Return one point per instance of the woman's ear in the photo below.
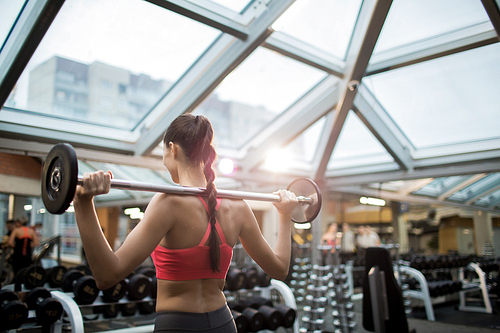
(173, 148)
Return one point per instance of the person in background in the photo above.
(361, 238)
(348, 241)
(331, 238)
(22, 239)
(190, 238)
(10, 225)
(372, 239)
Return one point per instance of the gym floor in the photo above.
(448, 319)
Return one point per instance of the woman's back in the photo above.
(189, 225)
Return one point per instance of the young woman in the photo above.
(190, 238)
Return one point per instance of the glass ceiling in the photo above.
(356, 93)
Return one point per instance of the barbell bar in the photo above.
(60, 178)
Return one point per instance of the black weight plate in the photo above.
(146, 307)
(7, 296)
(48, 311)
(85, 269)
(59, 178)
(69, 279)
(34, 276)
(128, 309)
(55, 276)
(85, 290)
(305, 212)
(139, 286)
(115, 293)
(110, 311)
(13, 315)
(35, 296)
(148, 271)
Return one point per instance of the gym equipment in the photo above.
(128, 309)
(139, 287)
(288, 315)
(83, 286)
(60, 178)
(115, 293)
(48, 309)
(31, 277)
(240, 321)
(235, 279)
(55, 276)
(13, 312)
(383, 307)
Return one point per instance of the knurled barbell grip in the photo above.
(173, 189)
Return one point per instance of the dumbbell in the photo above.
(139, 287)
(255, 319)
(48, 309)
(83, 286)
(150, 272)
(288, 315)
(13, 312)
(108, 311)
(263, 279)
(235, 279)
(272, 317)
(240, 321)
(55, 276)
(30, 277)
(147, 307)
(115, 293)
(128, 309)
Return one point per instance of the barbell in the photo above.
(60, 178)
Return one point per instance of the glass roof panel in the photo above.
(325, 24)
(303, 148)
(357, 146)
(476, 188)
(440, 185)
(412, 21)
(109, 62)
(254, 94)
(492, 199)
(444, 101)
(10, 11)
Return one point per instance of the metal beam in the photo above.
(391, 196)
(305, 53)
(366, 32)
(41, 150)
(440, 46)
(205, 16)
(472, 167)
(33, 23)
(204, 76)
(373, 115)
(493, 11)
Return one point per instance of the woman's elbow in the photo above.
(103, 284)
(280, 275)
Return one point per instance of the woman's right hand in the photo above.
(287, 203)
(94, 183)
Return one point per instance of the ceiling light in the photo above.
(130, 211)
(372, 201)
(226, 166)
(28, 207)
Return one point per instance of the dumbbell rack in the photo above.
(76, 318)
(75, 312)
(474, 286)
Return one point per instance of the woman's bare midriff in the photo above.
(190, 296)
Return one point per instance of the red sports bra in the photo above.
(192, 263)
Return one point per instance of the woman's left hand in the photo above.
(94, 183)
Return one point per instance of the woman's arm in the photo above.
(274, 262)
(108, 267)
